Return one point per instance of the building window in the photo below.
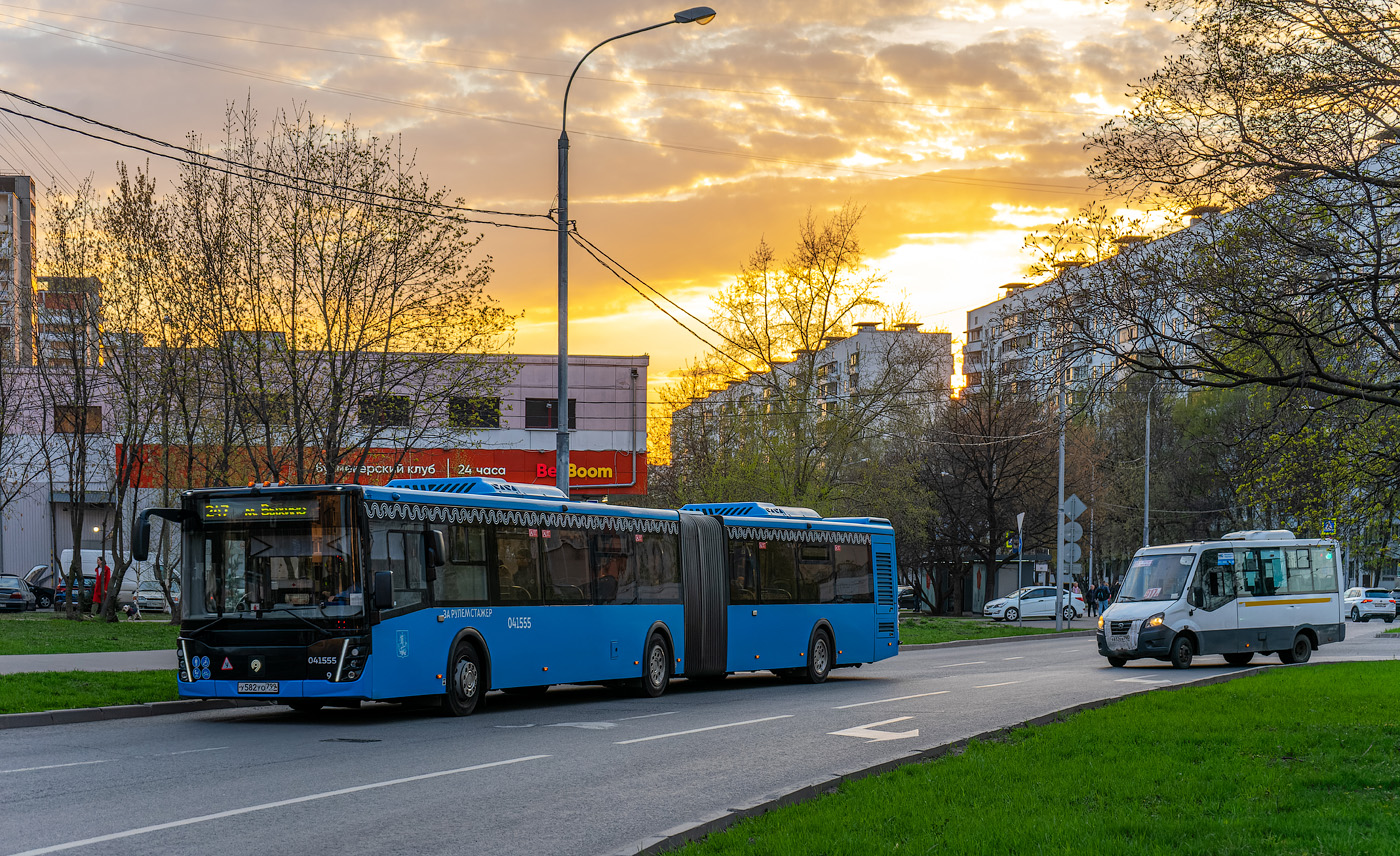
(385, 410)
(539, 413)
(66, 419)
(474, 412)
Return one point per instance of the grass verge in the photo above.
(924, 629)
(49, 633)
(1292, 761)
(35, 691)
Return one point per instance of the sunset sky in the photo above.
(958, 125)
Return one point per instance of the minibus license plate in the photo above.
(258, 687)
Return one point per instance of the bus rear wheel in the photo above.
(464, 680)
(818, 657)
(656, 667)
(1301, 651)
(1240, 659)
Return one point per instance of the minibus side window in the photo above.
(1214, 585)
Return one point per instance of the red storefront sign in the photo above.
(590, 471)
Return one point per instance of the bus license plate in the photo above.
(257, 687)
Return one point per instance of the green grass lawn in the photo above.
(52, 633)
(35, 691)
(924, 629)
(1292, 761)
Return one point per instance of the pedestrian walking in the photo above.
(1101, 595)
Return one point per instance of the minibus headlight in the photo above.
(1156, 620)
(1100, 622)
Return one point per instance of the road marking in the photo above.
(973, 663)
(646, 716)
(52, 766)
(872, 736)
(190, 751)
(698, 730)
(586, 726)
(883, 700)
(264, 806)
(1002, 684)
(1012, 658)
(1143, 680)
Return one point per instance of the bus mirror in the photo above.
(437, 549)
(383, 589)
(141, 530)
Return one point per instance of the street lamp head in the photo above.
(698, 15)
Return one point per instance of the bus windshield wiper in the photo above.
(303, 619)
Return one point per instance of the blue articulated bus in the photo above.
(442, 589)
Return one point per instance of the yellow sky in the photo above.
(957, 125)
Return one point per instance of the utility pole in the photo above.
(1060, 517)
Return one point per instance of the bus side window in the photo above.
(401, 553)
(566, 567)
(658, 570)
(517, 565)
(463, 578)
(743, 572)
(816, 575)
(777, 570)
(854, 583)
(614, 566)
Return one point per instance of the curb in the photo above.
(719, 821)
(962, 643)
(126, 711)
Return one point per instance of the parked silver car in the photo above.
(150, 597)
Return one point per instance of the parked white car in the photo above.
(1363, 604)
(150, 597)
(1034, 602)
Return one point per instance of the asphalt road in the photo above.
(581, 770)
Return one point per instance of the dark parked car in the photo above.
(38, 579)
(60, 595)
(15, 595)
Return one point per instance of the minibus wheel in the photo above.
(1182, 652)
(1240, 659)
(1301, 651)
(1118, 662)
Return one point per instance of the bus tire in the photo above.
(1239, 659)
(1118, 662)
(656, 667)
(1182, 652)
(465, 680)
(818, 657)
(1301, 651)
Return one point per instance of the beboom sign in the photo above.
(588, 470)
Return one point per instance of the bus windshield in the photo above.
(1158, 577)
(299, 557)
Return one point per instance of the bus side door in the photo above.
(1215, 606)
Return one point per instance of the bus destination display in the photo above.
(260, 509)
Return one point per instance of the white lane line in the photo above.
(646, 716)
(192, 751)
(52, 766)
(883, 700)
(263, 807)
(1002, 684)
(1012, 658)
(870, 735)
(973, 663)
(697, 730)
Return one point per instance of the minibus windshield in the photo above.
(1156, 577)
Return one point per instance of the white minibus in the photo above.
(1256, 592)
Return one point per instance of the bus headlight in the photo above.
(1156, 620)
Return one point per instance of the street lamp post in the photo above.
(697, 15)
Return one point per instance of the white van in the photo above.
(88, 564)
(1255, 592)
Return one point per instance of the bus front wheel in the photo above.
(656, 667)
(464, 680)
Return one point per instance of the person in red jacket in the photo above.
(99, 589)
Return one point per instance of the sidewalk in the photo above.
(109, 661)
